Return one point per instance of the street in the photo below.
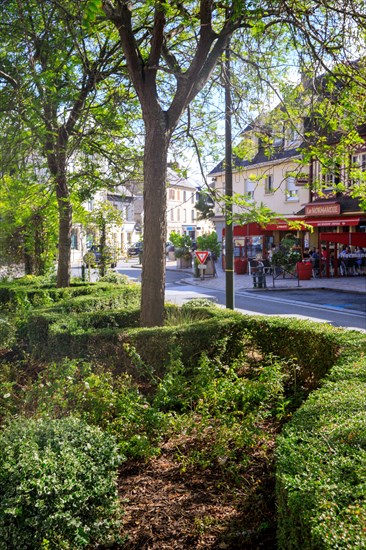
(284, 303)
(343, 309)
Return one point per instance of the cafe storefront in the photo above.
(327, 223)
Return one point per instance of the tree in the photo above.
(51, 74)
(104, 215)
(156, 39)
(28, 225)
(171, 50)
(205, 206)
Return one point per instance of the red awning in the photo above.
(349, 239)
(332, 222)
(253, 229)
(249, 230)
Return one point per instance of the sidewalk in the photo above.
(245, 282)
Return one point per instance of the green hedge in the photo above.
(52, 334)
(321, 460)
(15, 295)
(58, 486)
(99, 335)
(79, 297)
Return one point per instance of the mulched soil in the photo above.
(170, 509)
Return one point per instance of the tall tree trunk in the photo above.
(103, 249)
(153, 264)
(64, 232)
(39, 243)
(28, 264)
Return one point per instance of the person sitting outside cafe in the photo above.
(316, 259)
(348, 262)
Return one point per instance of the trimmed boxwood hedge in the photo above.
(321, 459)
(313, 347)
(321, 453)
(79, 297)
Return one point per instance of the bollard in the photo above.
(259, 279)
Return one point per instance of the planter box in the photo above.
(184, 263)
(240, 266)
(304, 270)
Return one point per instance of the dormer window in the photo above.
(292, 135)
(277, 141)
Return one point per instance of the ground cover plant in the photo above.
(210, 413)
(57, 485)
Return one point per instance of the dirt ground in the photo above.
(170, 509)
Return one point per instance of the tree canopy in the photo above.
(60, 86)
(172, 50)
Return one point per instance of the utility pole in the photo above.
(229, 251)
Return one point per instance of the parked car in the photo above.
(135, 249)
(169, 247)
(96, 251)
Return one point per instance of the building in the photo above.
(119, 237)
(314, 202)
(272, 179)
(182, 196)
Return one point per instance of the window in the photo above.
(184, 196)
(249, 189)
(193, 215)
(171, 194)
(172, 215)
(292, 134)
(90, 205)
(268, 185)
(291, 191)
(277, 141)
(359, 161)
(74, 240)
(129, 212)
(329, 181)
(327, 177)
(358, 165)
(192, 198)
(178, 215)
(184, 215)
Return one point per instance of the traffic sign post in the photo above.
(201, 255)
(202, 268)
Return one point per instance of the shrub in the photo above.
(115, 278)
(7, 334)
(221, 410)
(57, 485)
(99, 397)
(321, 461)
(210, 242)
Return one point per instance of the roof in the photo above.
(260, 158)
(174, 179)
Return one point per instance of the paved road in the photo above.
(344, 309)
(279, 304)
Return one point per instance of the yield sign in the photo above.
(202, 255)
